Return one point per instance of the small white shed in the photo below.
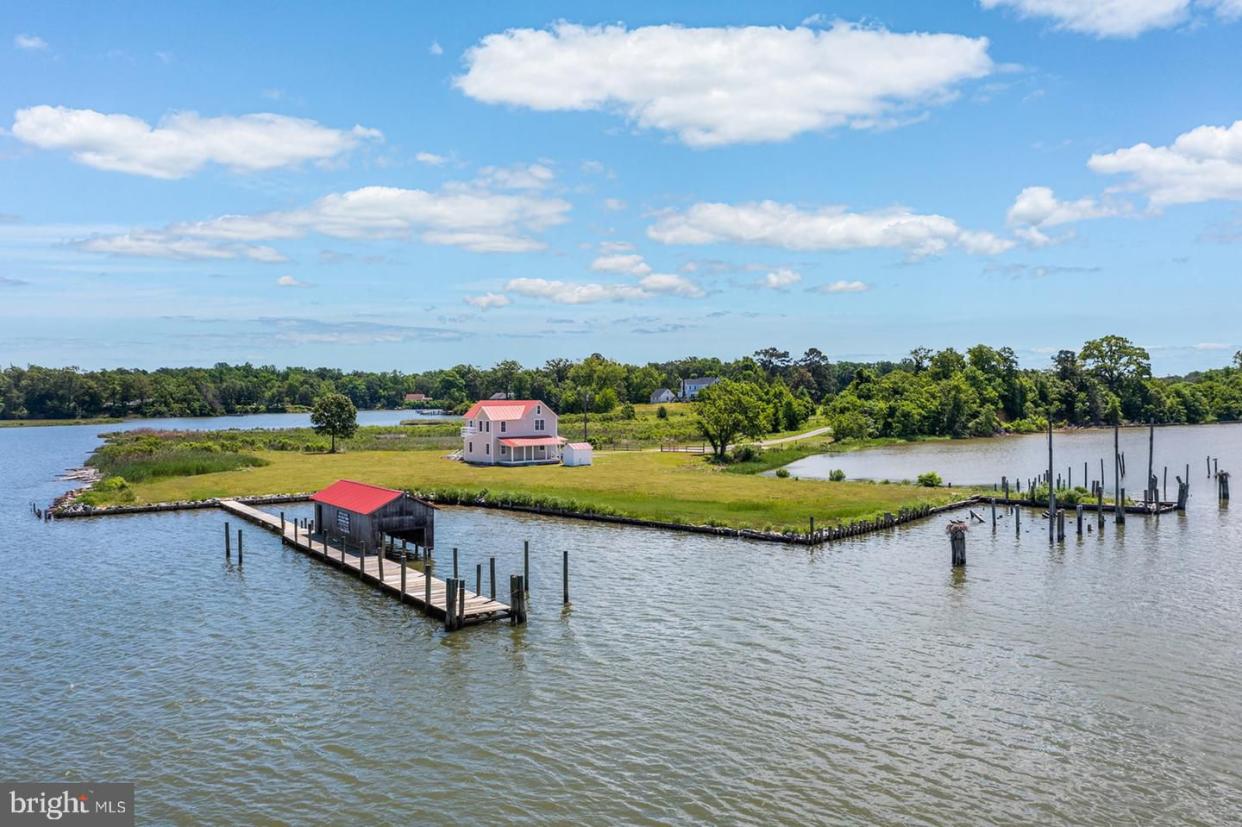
(576, 453)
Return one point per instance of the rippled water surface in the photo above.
(694, 680)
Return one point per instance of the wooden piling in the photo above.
(450, 604)
(239, 547)
(517, 600)
(526, 566)
(1078, 515)
(404, 559)
(1052, 496)
(426, 584)
(455, 561)
(1119, 511)
(282, 524)
(491, 567)
(1017, 520)
(1060, 524)
(565, 577)
(228, 554)
(957, 544)
(1222, 487)
(461, 603)
(379, 561)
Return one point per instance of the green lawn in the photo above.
(647, 485)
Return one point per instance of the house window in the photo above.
(502, 426)
(487, 449)
(342, 521)
(538, 409)
(470, 447)
(504, 450)
(538, 424)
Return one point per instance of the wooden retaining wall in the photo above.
(811, 538)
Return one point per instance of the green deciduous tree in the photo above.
(727, 410)
(335, 416)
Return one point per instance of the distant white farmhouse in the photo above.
(577, 453)
(511, 432)
(690, 387)
(662, 396)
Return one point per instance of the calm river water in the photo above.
(695, 679)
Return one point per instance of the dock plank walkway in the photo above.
(478, 607)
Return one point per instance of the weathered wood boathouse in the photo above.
(363, 515)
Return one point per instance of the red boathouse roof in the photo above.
(358, 497)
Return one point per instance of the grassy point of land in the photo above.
(646, 485)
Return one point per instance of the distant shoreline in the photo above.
(47, 423)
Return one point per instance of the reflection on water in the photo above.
(696, 679)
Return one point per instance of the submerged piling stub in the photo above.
(956, 529)
(1222, 485)
(517, 599)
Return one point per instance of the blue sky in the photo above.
(406, 186)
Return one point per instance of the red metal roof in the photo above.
(358, 497)
(520, 441)
(580, 446)
(498, 409)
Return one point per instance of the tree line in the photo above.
(945, 392)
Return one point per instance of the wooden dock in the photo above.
(478, 608)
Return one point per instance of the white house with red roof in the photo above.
(511, 432)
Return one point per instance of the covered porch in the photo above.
(530, 450)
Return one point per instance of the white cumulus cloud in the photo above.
(516, 177)
(430, 159)
(476, 220)
(183, 142)
(1037, 209)
(672, 284)
(716, 86)
(781, 279)
(843, 287)
(290, 281)
(829, 228)
(1118, 18)
(487, 301)
(630, 264)
(1204, 164)
(147, 244)
(567, 292)
(29, 42)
